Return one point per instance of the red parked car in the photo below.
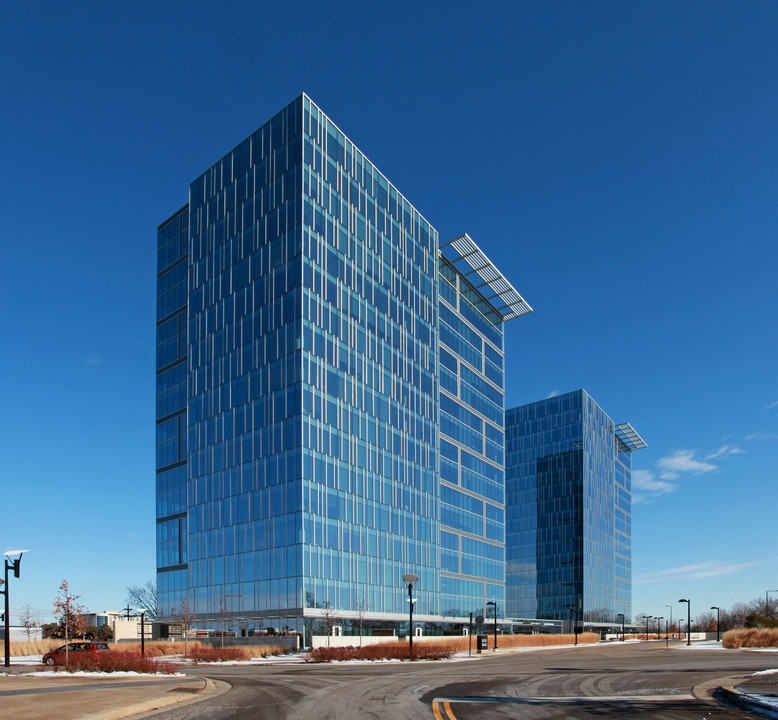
(75, 650)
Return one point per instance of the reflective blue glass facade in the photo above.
(310, 384)
(472, 477)
(171, 407)
(569, 525)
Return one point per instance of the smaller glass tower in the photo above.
(569, 511)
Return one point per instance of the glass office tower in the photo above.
(308, 442)
(569, 529)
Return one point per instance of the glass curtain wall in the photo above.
(569, 512)
(544, 491)
(369, 413)
(171, 411)
(472, 495)
(245, 392)
(623, 538)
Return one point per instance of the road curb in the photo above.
(149, 708)
(725, 689)
(731, 694)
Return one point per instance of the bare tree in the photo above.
(223, 617)
(186, 616)
(361, 610)
(144, 597)
(29, 620)
(705, 621)
(330, 617)
(71, 614)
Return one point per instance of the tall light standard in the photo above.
(10, 565)
(671, 614)
(491, 602)
(767, 602)
(718, 621)
(142, 631)
(574, 616)
(621, 615)
(648, 617)
(659, 627)
(688, 619)
(410, 579)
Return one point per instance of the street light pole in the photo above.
(621, 615)
(659, 627)
(671, 614)
(574, 614)
(648, 617)
(718, 622)
(9, 565)
(410, 579)
(495, 623)
(688, 619)
(143, 634)
(767, 602)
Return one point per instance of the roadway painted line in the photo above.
(565, 699)
(446, 708)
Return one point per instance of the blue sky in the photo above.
(617, 161)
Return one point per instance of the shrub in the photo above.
(120, 662)
(387, 651)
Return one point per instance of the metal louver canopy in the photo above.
(485, 277)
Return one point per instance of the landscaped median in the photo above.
(156, 658)
(164, 658)
(437, 649)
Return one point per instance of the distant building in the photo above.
(19, 633)
(107, 617)
(568, 511)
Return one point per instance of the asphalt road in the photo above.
(603, 681)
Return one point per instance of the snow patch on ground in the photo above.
(82, 673)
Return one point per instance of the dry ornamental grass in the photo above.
(152, 649)
(750, 638)
(33, 647)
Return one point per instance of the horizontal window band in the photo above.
(167, 518)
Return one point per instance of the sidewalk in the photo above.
(111, 697)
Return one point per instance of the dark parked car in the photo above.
(75, 650)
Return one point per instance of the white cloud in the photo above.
(697, 571)
(772, 405)
(761, 436)
(682, 461)
(724, 450)
(553, 393)
(645, 486)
